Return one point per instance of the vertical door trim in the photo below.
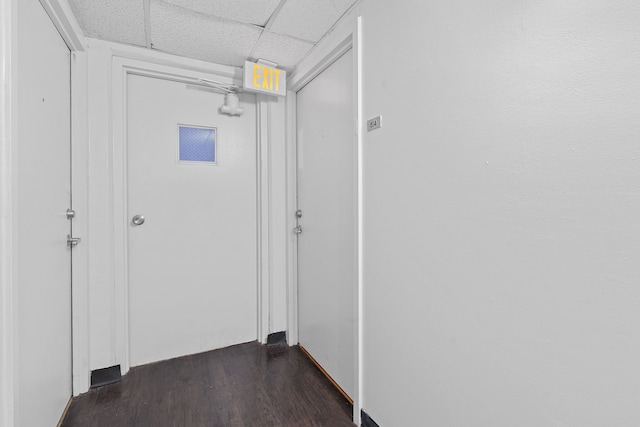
(291, 206)
(121, 68)
(8, 127)
(263, 215)
(80, 191)
(358, 403)
(344, 36)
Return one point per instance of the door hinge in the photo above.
(71, 213)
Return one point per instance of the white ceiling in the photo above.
(221, 31)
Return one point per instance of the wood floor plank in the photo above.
(243, 385)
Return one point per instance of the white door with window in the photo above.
(43, 291)
(191, 175)
(327, 199)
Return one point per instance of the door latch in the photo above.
(71, 214)
(72, 242)
(298, 230)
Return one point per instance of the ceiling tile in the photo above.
(255, 12)
(182, 32)
(115, 20)
(284, 51)
(309, 19)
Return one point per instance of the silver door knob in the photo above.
(298, 230)
(137, 220)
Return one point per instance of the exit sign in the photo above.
(262, 78)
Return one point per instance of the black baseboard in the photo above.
(277, 338)
(105, 376)
(367, 421)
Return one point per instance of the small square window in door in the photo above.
(197, 144)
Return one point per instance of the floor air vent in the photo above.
(367, 421)
(277, 338)
(276, 342)
(105, 376)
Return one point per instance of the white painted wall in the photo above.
(501, 206)
(106, 343)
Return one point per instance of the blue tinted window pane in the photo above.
(197, 144)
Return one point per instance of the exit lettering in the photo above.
(265, 77)
(260, 77)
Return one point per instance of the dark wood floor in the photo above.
(243, 385)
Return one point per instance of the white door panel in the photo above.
(327, 270)
(44, 269)
(192, 264)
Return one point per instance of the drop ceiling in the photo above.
(221, 31)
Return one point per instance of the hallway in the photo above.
(493, 200)
(243, 385)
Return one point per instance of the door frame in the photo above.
(124, 63)
(63, 19)
(8, 127)
(344, 36)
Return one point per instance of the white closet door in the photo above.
(44, 193)
(327, 197)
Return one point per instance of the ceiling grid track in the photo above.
(147, 23)
(268, 25)
(225, 32)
